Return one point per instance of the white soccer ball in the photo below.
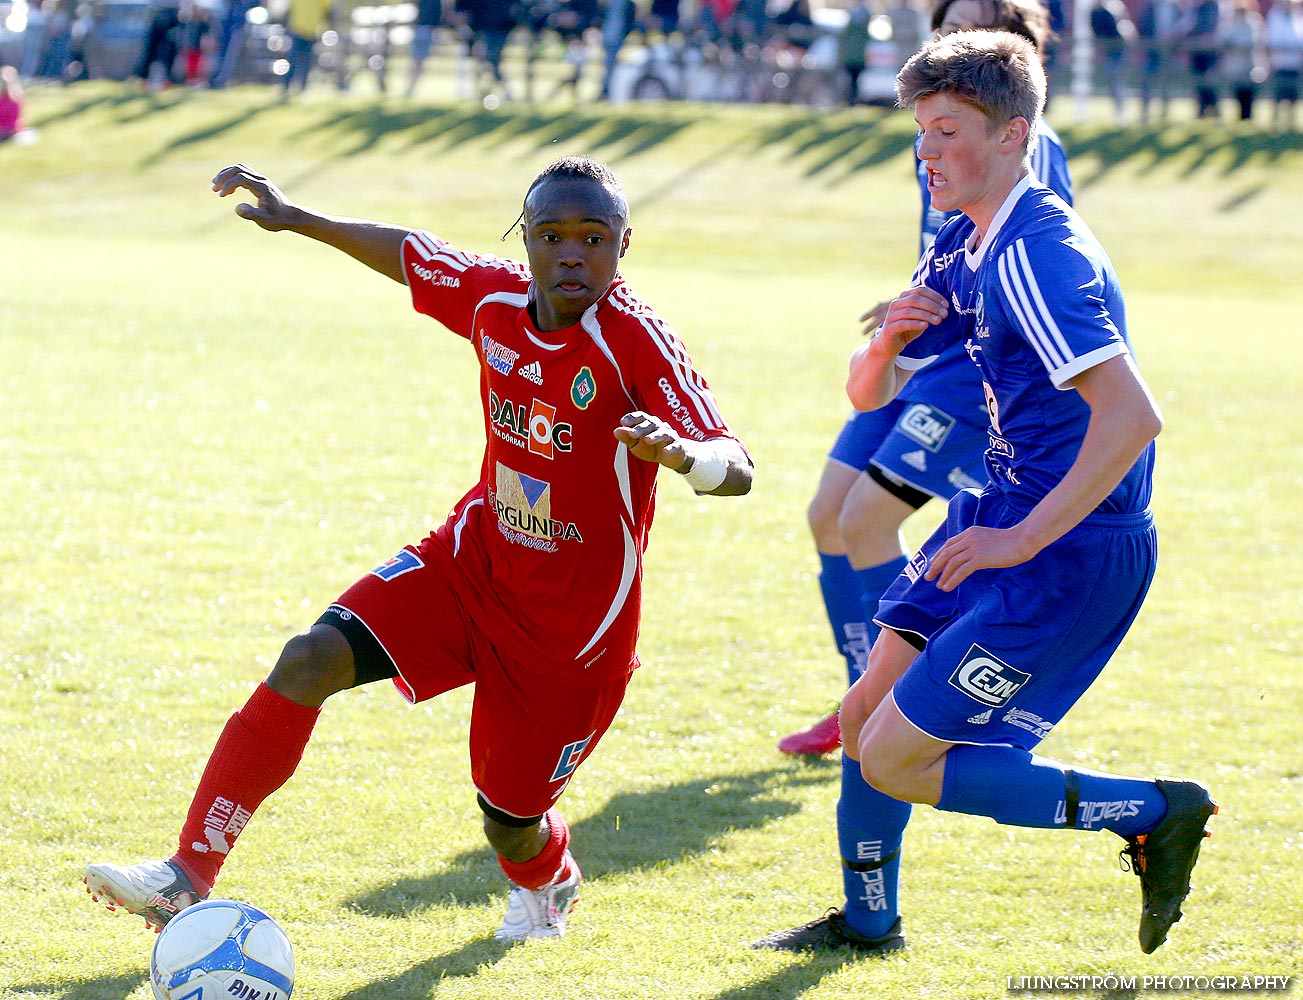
(222, 949)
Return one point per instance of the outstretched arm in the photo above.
(875, 379)
(653, 440)
(375, 244)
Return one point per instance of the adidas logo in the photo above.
(915, 460)
(982, 719)
(532, 371)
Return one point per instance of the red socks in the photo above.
(257, 752)
(552, 864)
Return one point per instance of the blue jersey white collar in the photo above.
(973, 254)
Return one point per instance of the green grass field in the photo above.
(206, 432)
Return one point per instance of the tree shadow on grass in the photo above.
(633, 831)
(197, 136)
(359, 130)
(104, 988)
(835, 149)
(1194, 149)
(83, 107)
(417, 981)
(794, 980)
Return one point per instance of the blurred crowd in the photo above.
(1210, 49)
(1228, 53)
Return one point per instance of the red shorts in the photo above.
(528, 734)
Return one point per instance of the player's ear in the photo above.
(624, 240)
(1015, 133)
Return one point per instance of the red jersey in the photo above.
(551, 538)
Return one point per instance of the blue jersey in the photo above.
(1036, 304)
(951, 378)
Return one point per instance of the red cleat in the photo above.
(823, 737)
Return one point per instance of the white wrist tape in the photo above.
(707, 471)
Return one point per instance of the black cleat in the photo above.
(832, 931)
(1165, 856)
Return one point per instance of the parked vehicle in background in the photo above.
(113, 38)
(108, 39)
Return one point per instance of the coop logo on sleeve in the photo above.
(986, 679)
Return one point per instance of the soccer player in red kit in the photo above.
(531, 589)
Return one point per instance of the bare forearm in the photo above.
(378, 245)
(874, 380)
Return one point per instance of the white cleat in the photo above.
(154, 890)
(540, 913)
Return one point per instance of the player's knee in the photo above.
(313, 666)
(862, 529)
(871, 518)
(822, 515)
(882, 772)
(852, 715)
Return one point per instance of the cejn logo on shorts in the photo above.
(926, 424)
(986, 679)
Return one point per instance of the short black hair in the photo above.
(585, 168)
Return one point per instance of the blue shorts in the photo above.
(1012, 649)
(915, 444)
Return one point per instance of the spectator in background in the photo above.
(1284, 37)
(1243, 56)
(1205, 47)
(571, 21)
(491, 23)
(194, 40)
(29, 61)
(305, 23)
(429, 15)
(1058, 21)
(621, 15)
(230, 41)
(751, 22)
(908, 29)
(795, 24)
(1114, 34)
(58, 40)
(1159, 28)
(852, 49)
(157, 66)
(665, 16)
(715, 17)
(11, 107)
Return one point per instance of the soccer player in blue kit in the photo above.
(1009, 611)
(927, 443)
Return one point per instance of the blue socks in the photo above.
(1018, 788)
(870, 828)
(851, 599)
(874, 581)
(841, 598)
